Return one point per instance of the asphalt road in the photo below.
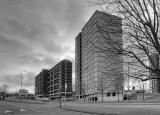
(117, 108)
(12, 108)
(52, 108)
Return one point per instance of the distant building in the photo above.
(41, 83)
(23, 93)
(56, 82)
(99, 74)
(60, 77)
(155, 83)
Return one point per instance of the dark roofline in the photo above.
(45, 70)
(65, 60)
(41, 72)
(52, 67)
(78, 35)
(100, 12)
(60, 62)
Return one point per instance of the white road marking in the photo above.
(7, 111)
(23, 110)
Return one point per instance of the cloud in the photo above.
(37, 34)
(13, 81)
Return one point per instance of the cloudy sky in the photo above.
(37, 34)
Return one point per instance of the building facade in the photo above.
(23, 93)
(60, 80)
(78, 65)
(155, 83)
(41, 83)
(57, 81)
(99, 69)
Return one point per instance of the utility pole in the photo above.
(65, 91)
(21, 81)
(4, 91)
(20, 92)
(60, 104)
(22, 78)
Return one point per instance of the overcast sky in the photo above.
(37, 34)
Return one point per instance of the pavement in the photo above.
(114, 108)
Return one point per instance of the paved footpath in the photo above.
(115, 108)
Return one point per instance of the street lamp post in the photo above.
(65, 91)
(60, 104)
(21, 82)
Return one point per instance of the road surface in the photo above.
(12, 108)
(52, 108)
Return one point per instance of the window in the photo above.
(113, 94)
(108, 94)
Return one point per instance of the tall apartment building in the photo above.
(155, 83)
(78, 65)
(60, 77)
(98, 68)
(56, 82)
(41, 83)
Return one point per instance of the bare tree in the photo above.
(101, 87)
(117, 83)
(141, 35)
(3, 90)
(140, 76)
